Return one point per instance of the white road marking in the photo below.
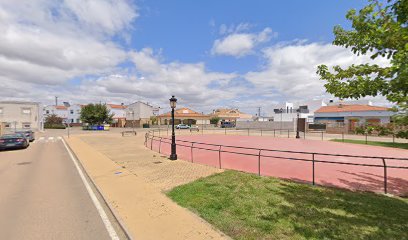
(102, 214)
(59, 138)
(41, 139)
(50, 138)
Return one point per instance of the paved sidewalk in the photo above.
(134, 189)
(130, 153)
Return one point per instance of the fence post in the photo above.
(385, 176)
(151, 144)
(159, 132)
(322, 135)
(393, 138)
(304, 134)
(259, 162)
(248, 131)
(160, 145)
(366, 138)
(167, 130)
(342, 136)
(225, 129)
(192, 144)
(288, 133)
(219, 156)
(261, 131)
(313, 168)
(273, 132)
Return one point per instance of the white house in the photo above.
(351, 116)
(16, 115)
(60, 111)
(138, 113)
(74, 113)
(288, 112)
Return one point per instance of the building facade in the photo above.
(230, 115)
(138, 113)
(60, 111)
(184, 116)
(348, 117)
(16, 115)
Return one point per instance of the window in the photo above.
(47, 111)
(26, 125)
(71, 111)
(26, 110)
(7, 125)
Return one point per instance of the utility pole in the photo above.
(56, 101)
(259, 112)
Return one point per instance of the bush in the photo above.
(54, 126)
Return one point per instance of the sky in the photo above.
(209, 54)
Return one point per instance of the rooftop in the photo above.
(350, 108)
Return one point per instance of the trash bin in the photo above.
(99, 128)
(94, 127)
(106, 127)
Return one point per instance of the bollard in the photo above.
(385, 176)
(219, 156)
(313, 168)
(259, 162)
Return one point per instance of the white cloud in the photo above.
(290, 70)
(52, 41)
(239, 44)
(188, 81)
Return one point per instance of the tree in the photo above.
(96, 114)
(53, 121)
(214, 120)
(379, 29)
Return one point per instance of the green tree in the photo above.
(96, 114)
(214, 120)
(53, 119)
(378, 29)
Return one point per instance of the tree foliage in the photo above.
(378, 29)
(214, 120)
(96, 114)
(53, 119)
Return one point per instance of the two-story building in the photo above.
(138, 113)
(60, 111)
(17, 115)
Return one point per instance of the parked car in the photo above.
(194, 128)
(13, 141)
(28, 133)
(227, 124)
(182, 126)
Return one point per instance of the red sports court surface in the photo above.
(283, 165)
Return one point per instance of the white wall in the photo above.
(19, 115)
(141, 111)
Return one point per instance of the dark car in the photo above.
(28, 133)
(227, 124)
(13, 141)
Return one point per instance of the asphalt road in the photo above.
(42, 196)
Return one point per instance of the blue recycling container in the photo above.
(100, 128)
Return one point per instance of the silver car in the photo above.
(28, 134)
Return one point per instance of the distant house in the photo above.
(351, 116)
(21, 115)
(60, 111)
(119, 114)
(74, 114)
(138, 113)
(185, 116)
(230, 115)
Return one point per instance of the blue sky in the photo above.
(210, 54)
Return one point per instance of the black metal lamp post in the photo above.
(297, 124)
(173, 155)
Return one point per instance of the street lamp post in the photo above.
(297, 124)
(173, 155)
(133, 120)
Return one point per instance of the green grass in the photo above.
(246, 206)
(374, 143)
